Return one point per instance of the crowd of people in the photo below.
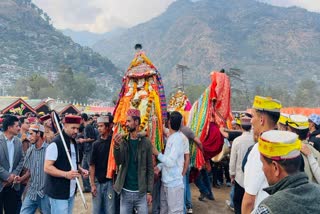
(273, 166)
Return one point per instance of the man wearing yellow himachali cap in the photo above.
(283, 122)
(265, 115)
(299, 124)
(290, 191)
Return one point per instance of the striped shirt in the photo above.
(35, 163)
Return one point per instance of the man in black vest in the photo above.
(60, 184)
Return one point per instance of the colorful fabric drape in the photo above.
(142, 89)
(211, 111)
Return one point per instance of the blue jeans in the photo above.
(131, 200)
(104, 201)
(231, 196)
(156, 197)
(85, 164)
(61, 206)
(29, 206)
(20, 193)
(203, 183)
(187, 193)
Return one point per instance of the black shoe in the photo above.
(210, 197)
(202, 197)
(216, 186)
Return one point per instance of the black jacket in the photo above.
(292, 195)
(314, 140)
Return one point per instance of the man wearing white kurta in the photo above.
(265, 115)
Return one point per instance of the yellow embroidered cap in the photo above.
(283, 119)
(266, 104)
(279, 145)
(298, 121)
(238, 121)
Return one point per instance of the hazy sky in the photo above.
(104, 15)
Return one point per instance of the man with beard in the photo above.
(11, 163)
(34, 162)
(103, 195)
(133, 156)
(265, 115)
(60, 184)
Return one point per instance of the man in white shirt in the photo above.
(239, 148)
(265, 115)
(172, 161)
(60, 183)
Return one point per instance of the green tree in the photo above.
(48, 92)
(20, 88)
(74, 87)
(193, 92)
(34, 87)
(307, 94)
(65, 83)
(35, 83)
(240, 98)
(84, 88)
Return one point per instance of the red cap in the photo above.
(45, 117)
(133, 113)
(31, 119)
(72, 119)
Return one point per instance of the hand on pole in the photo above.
(72, 174)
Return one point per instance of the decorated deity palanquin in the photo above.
(142, 89)
(180, 102)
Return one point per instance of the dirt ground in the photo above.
(199, 207)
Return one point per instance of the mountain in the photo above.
(274, 46)
(86, 38)
(29, 43)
